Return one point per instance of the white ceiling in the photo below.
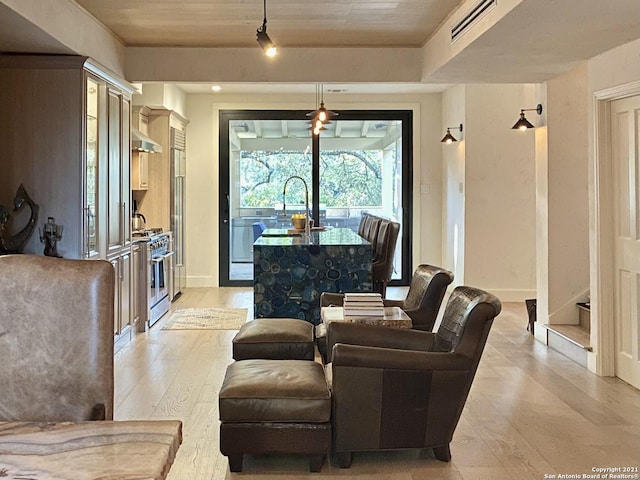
(541, 39)
(19, 35)
(537, 40)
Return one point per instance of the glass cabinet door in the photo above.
(91, 170)
(115, 205)
(125, 170)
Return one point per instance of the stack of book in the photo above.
(363, 305)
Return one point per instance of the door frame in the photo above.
(602, 359)
(404, 114)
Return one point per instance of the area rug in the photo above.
(206, 319)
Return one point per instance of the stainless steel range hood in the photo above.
(143, 143)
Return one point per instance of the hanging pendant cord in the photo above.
(264, 21)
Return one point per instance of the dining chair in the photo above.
(258, 228)
(56, 339)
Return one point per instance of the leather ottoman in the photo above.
(275, 407)
(274, 339)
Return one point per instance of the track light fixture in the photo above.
(522, 124)
(263, 39)
(448, 138)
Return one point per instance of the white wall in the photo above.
(542, 213)
(74, 28)
(618, 66)
(201, 191)
(299, 65)
(159, 95)
(202, 230)
(568, 201)
(453, 160)
(439, 49)
(499, 187)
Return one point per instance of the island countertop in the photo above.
(290, 272)
(333, 236)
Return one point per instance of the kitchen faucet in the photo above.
(307, 231)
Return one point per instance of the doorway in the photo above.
(360, 163)
(625, 161)
(615, 255)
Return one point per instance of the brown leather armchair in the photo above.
(422, 303)
(398, 389)
(56, 339)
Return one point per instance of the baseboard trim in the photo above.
(513, 295)
(199, 282)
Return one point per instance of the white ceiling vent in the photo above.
(470, 18)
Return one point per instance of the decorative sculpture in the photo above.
(50, 235)
(16, 243)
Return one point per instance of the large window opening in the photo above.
(360, 163)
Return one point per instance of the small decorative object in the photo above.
(299, 221)
(50, 235)
(16, 243)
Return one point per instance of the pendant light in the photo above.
(263, 39)
(523, 124)
(320, 116)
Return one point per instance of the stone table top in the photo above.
(114, 450)
(329, 237)
(393, 317)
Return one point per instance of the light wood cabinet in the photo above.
(65, 132)
(139, 171)
(122, 321)
(136, 288)
(140, 160)
(156, 204)
(119, 168)
(163, 204)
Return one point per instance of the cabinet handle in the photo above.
(85, 212)
(90, 219)
(122, 225)
(162, 257)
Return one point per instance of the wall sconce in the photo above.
(522, 124)
(448, 138)
(263, 39)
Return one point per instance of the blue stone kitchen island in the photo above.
(290, 271)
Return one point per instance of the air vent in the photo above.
(471, 17)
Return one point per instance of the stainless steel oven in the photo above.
(158, 264)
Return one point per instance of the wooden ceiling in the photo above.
(290, 23)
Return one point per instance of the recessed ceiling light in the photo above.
(216, 88)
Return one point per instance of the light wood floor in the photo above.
(530, 412)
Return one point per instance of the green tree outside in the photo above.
(348, 178)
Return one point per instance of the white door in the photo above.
(625, 140)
